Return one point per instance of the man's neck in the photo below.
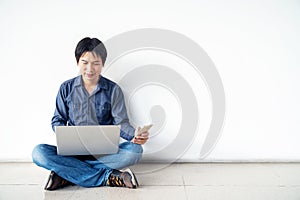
(90, 83)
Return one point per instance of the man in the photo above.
(91, 99)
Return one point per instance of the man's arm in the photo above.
(60, 117)
(119, 113)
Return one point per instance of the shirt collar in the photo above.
(101, 83)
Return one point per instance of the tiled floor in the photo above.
(178, 181)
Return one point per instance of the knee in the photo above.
(138, 152)
(133, 152)
(40, 152)
(136, 148)
(132, 147)
(37, 153)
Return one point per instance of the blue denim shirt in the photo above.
(104, 106)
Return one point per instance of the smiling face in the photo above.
(90, 66)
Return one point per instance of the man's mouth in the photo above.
(89, 75)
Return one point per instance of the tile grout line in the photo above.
(185, 192)
(19, 184)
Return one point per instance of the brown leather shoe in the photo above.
(55, 182)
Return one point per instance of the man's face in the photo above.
(90, 66)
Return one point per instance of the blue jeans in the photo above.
(84, 171)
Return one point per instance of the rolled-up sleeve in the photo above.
(119, 113)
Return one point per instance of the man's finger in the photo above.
(141, 138)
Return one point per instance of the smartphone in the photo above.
(144, 129)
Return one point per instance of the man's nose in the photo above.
(89, 66)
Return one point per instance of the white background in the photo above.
(255, 46)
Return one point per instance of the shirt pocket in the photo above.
(77, 107)
(104, 113)
(76, 113)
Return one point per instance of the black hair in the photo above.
(93, 45)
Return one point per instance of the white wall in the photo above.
(253, 44)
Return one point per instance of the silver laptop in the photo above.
(87, 140)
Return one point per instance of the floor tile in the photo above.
(32, 192)
(239, 174)
(159, 181)
(22, 173)
(143, 193)
(242, 192)
(160, 176)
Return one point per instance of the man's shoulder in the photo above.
(67, 86)
(70, 82)
(107, 82)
